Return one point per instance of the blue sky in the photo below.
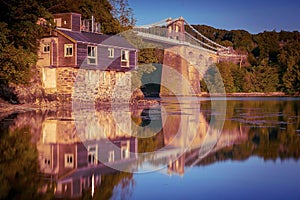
(254, 16)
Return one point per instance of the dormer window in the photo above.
(68, 50)
(92, 55)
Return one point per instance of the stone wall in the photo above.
(102, 86)
(66, 78)
(88, 85)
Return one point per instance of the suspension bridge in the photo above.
(179, 32)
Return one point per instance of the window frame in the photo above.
(46, 45)
(126, 53)
(69, 160)
(92, 155)
(125, 149)
(90, 56)
(66, 47)
(111, 156)
(127, 58)
(111, 52)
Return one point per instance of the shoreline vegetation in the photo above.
(7, 108)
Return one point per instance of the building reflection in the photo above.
(76, 151)
(77, 165)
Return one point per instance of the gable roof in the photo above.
(94, 38)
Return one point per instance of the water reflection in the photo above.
(72, 155)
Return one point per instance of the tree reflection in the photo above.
(19, 165)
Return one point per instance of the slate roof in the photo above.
(87, 37)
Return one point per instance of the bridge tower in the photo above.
(176, 29)
(178, 69)
(180, 72)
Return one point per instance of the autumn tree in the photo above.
(122, 11)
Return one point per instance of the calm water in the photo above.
(242, 148)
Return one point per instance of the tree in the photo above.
(19, 39)
(291, 80)
(289, 59)
(123, 13)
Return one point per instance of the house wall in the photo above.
(65, 20)
(62, 60)
(103, 61)
(68, 20)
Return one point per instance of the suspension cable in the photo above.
(202, 43)
(209, 40)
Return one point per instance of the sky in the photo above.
(254, 16)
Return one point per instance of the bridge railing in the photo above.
(175, 37)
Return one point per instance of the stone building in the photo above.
(78, 62)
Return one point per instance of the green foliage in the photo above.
(268, 45)
(291, 80)
(261, 79)
(273, 60)
(225, 71)
(15, 61)
(19, 39)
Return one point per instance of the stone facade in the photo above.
(87, 85)
(102, 86)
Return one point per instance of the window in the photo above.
(57, 22)
(125, 149)
(92, 55)
(111, 52)
(69, 160)
(125, 58)
(46, 48)
(68, 50)
(125, 55)
(92, 155)
(47, 161)
(111, 156)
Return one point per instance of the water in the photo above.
(242, 148)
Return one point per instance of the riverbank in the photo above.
(6, 107)
(252, 94)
